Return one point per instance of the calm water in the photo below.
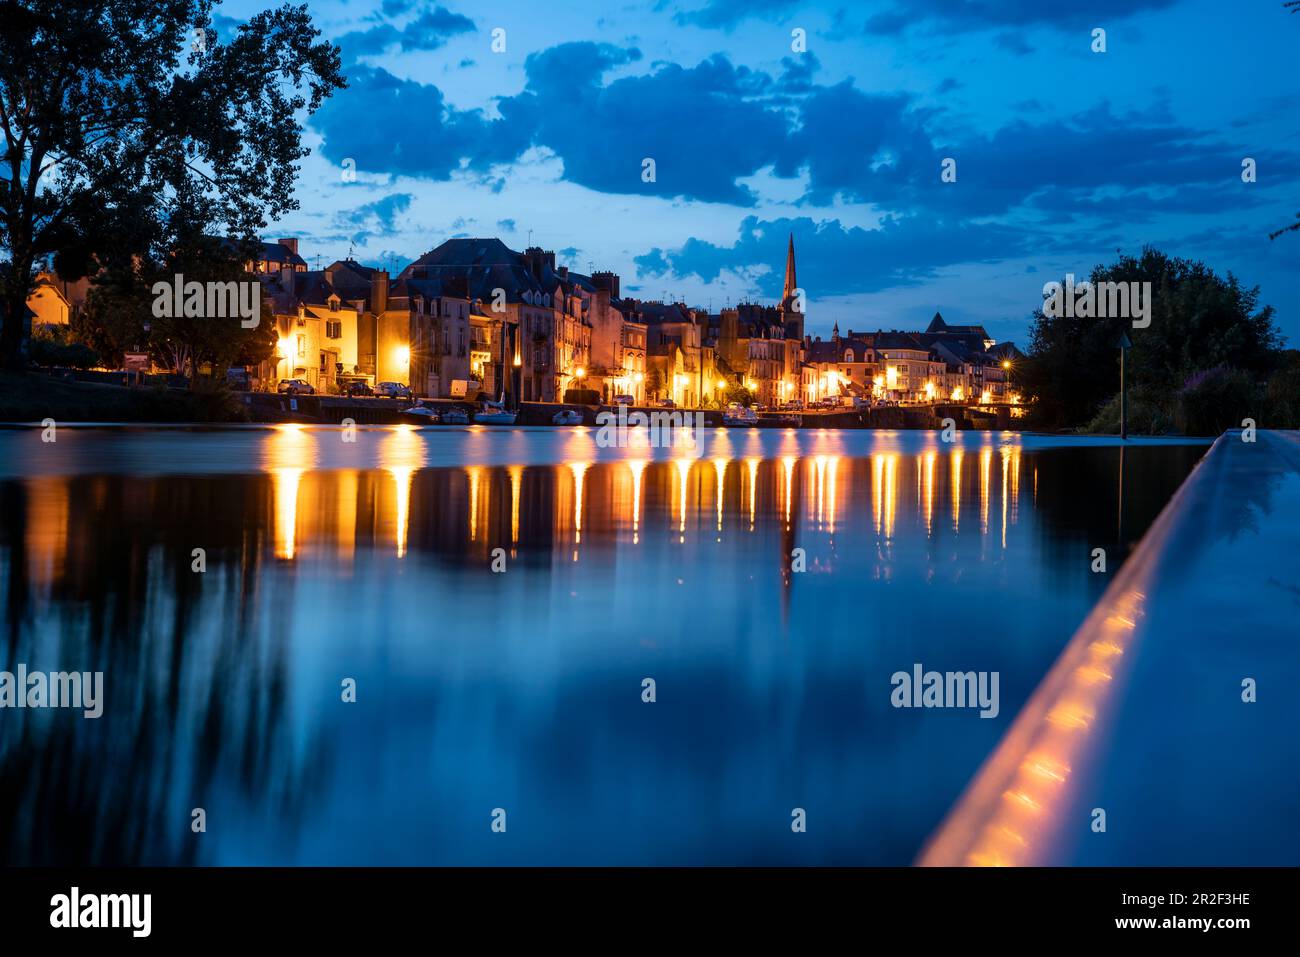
(522, 690)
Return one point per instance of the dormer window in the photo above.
(848, 355)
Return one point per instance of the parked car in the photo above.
(295, 387)
(393, 390)
(359, 387)
(666, 404)
(624, 400)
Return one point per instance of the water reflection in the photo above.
(521, 689)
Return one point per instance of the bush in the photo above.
(50, 352)
(1217, 399)
(1282, 399)
(1146, 416)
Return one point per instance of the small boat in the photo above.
(425, 413)
(567, 417)
(494, 413)
(739, 416)
(454, 416)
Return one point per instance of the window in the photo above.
(848, 355)
(333, 330)
(302, 346)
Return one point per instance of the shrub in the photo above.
(1216, 399)
(1147, 415)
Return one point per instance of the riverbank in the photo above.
(34, 397)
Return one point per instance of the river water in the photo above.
(498, 599)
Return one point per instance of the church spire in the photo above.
(787, 296)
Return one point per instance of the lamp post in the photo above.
(1124, 345)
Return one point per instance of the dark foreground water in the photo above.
(522, 690)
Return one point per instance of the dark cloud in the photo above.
(837, 260)
(402, 127)
(728, 13)
(380, 215)
(709, 126)
(703, 126)
(973, 15)
(508, 225)
(430, 29)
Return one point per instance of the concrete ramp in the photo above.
(1142, 718)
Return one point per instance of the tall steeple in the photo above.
(787, 296)
(791, 310)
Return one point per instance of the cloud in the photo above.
(403, 127)
(430, 29)
(835, 259)
(377, 218)
(952, 16)
(709, 127)
(728, 13)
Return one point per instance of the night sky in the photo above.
(1064, 155)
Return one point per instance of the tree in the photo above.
(128, 125)
(1199, 321)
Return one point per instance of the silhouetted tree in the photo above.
(1199, 321)
(120, 116)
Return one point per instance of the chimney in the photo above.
(379, 291)
(290, 244)
(607, 281)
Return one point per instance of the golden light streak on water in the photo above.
(683, 473)
(47, 529)
(475, 474)
(832, 481)
(878, 492)
(1006, 459)
(720, 472)
(637, 467)
(752, 465)
(787, 464)
(401, 453)
(986, 466)
(930, 459)
(1015, 485)
(285, 482)
(516, 484)
(579, 470)
(891, 493)
(956, 488)
(290, 452)
(819, 485)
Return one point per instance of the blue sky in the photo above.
(1063, 155)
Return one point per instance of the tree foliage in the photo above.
(1199, 321)
(129, 126)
